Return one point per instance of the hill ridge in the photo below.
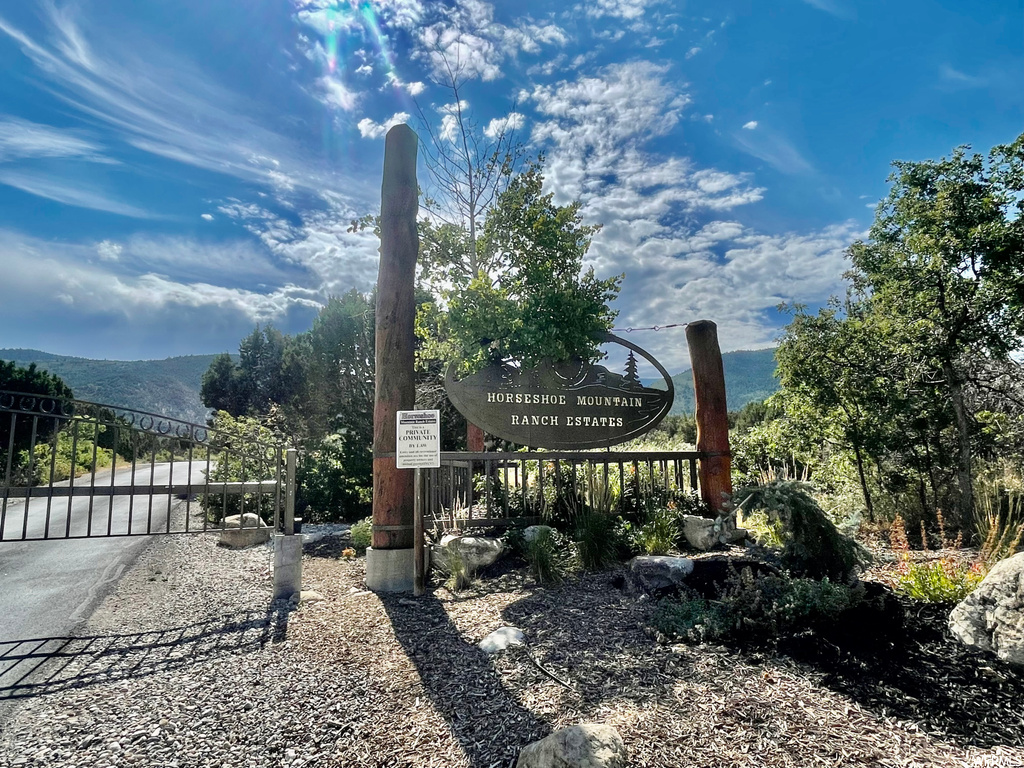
(168, 386)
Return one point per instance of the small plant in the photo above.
(998, 521)
(658, 535)
(361, 535)
(452, 564)
(545, 554)
(595, 523)
(945, 580)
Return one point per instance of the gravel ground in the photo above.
(188, 664)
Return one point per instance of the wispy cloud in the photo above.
(77, 193)
(775, 149)
(955, 77)
(23, 139)
(836, 8)
(749, 126)
(161, 103)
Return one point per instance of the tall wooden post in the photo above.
(712, 412)
(396, 388)
(474, 438)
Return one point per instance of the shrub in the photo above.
(761, 608)
(361, 535)
(332, 480)
(811, 544)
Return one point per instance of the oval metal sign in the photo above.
(570, 405)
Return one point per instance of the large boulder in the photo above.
(476, 551)
(992, 616)
(240, 531)
(590, 745)
(658, 574)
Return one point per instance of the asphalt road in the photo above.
(48, 588)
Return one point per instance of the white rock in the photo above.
(530, 533)
(476, 551)
(992, 616)
(502, 638)
(700, 532)
(591, 745)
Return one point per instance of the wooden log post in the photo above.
(395, 315)
(712, 413)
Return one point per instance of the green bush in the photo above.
(811, 544)
(755, 609)
(361, 535)
(243, 449)
(332, 481)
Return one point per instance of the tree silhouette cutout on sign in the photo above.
(631, 380)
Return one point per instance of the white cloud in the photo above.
(960, 79)
(749, 126)
(833, 7)
(368, 129)
(774, 149)
(207, 216)
(365, 69)
(618, 9)
(692, 52)
(335, 94)
(513, 121)
(80, 194)
(108, 250)
(20, 139)
(159, 102)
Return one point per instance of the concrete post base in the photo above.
(287, 566)
(389, 570)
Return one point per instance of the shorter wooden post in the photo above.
(418, 564)
(712, 413)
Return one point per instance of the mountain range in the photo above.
(171, 387)
(167, 387)
(749, 376)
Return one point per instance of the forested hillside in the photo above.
(169, 387)
(749, 377)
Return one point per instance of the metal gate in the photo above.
(74, 469)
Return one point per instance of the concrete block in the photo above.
(389, 570)
(287, 565)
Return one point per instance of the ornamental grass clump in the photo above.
(545, 555)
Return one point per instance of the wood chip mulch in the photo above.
(412, 689)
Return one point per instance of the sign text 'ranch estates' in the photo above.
(569, 405)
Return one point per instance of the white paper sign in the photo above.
(419, 439)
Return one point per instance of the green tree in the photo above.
(32, 381)
(541, 304)
(943, 261)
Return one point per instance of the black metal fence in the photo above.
(485, 489)
(73, 469)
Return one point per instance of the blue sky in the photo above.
(172, 173)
